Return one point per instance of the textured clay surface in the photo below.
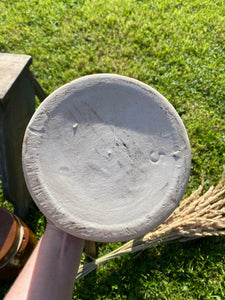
(106, 158)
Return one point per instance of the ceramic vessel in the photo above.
(17, 242)
(106, 158)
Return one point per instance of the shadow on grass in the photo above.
(35, 220)
(183, 268)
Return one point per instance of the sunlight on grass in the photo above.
(177, 47)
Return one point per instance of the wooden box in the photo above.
(17, 105)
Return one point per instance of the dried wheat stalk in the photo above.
(197, 216)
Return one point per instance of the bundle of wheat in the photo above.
(197, 216)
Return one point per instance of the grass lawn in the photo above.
(177, 47)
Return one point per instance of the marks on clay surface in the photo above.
(109, 154)
(37, 130)
(155, 156)
(64, 171)
(93, 111)
(75, 127)
(120, 164)
(25, 140)
(177, 155)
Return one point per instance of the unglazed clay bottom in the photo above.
(106, 158)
